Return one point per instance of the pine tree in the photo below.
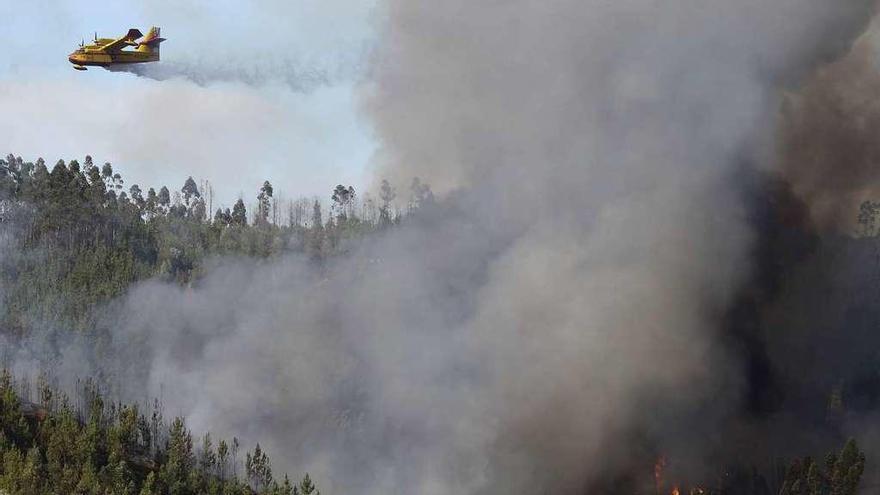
(164, 200)
(286, 487)
(179, 463)
(149, 486)
(222, 459)
(317, 217)
(845, 469)
(198, 210)
(387, 195)
(343, 198)
(152, 203)
(13, 425)
(239, 213)
(263, 203)
(208, 458)
(190, 191)
(32, 476)
(841, 477)
(258, 469)
(306, 486)
(420, 194)
(137, 196)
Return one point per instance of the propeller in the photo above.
(82, 43)
(96, 36)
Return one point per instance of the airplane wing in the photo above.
(117, 44)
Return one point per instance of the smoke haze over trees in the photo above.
(59, 445)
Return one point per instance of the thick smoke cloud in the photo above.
(567, 292)
(816, 298)
(828, 147)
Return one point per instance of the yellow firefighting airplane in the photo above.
(106, 52)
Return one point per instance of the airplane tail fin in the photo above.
(150, 42)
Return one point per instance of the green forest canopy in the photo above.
(74, 238)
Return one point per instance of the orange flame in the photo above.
(658, 474)
(659, 468)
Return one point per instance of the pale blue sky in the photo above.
(158, 132)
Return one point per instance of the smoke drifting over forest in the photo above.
(576, 299)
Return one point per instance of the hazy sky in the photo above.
(304, 137)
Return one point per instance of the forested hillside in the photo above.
(87, 446)
(77, 235)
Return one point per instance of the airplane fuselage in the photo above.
(132, 48)
(103, 59)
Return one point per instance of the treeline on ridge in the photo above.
(73, 237)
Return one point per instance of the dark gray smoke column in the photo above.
(592, 234)
(600, 140)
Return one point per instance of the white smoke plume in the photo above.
(302, 80)
(592, 232)
(303, 44)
